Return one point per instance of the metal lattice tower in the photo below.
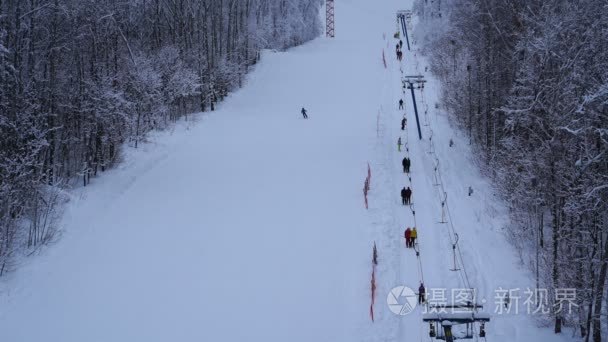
(329, 18)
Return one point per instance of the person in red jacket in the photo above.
(408, 241)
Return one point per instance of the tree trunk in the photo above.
(599, 295)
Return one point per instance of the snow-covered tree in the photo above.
(528, 81)
(79, 78)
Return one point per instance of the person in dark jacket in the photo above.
(304, 113)
(403, 196)
(408, 195)
(400, 103)
(421, 293)
(403, 121)
(401, 44)
(406, 165)
(408, 241)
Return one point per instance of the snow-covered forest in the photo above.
(528, 82)
(80, 78)
(221, 170)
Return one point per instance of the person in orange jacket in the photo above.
(413, 236)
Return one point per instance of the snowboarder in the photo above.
(408, 196)
(407, 234)
(399, 144)
(404, 196)
(400, 103)
(403, 121)
(413, 236)
(401, 44)
(304, 113)
(421, 293)
(470, 191)
(406, 165)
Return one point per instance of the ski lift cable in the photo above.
(442, 194)
(462, 272)
(464, 278)
(453, 233)
(413, 209)
(453, 229)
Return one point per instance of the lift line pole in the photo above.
(411, 86)
(419, 81)
(404, 25)
(405, 16)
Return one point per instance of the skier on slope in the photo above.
(400, 103)
(413, 236)
(403, 196)
(304, 113)
(408, 237)
(408, 196)
(403, 121)
(401, 44)
(399, 144)
(421, 293)
(406, 165)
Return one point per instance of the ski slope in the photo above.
(248, 223)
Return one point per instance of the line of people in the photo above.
(398, 49)
(410, 237)
(406, 193)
